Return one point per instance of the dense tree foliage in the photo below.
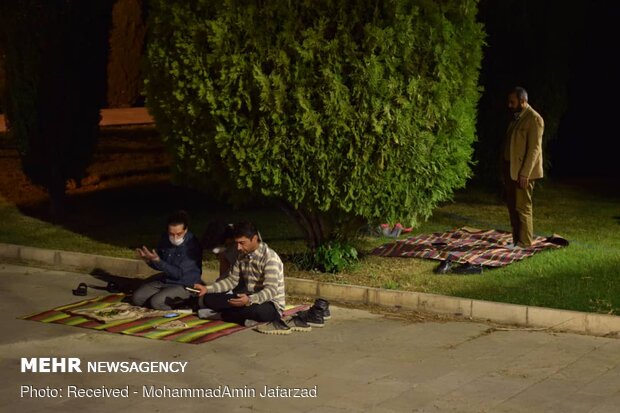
(55, 68)
(342, 110)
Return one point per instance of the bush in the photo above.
(332, 256)
(341, 111)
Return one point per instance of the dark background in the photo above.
(565, 54)
(587, 142)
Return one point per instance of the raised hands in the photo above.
(147, 255)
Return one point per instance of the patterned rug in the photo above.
(468, 245)
(184, 328)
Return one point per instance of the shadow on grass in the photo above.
(132, 216)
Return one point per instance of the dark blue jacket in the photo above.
(180, 265)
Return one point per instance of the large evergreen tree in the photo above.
(55, 66)
(341, 110)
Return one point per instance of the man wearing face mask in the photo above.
(522, 165)
(179, 258)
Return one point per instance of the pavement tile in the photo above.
(359, 362)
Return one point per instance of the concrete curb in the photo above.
(77, 261)
(514, 314)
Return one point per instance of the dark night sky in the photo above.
(590, 128)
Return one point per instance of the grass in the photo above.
(127, 194)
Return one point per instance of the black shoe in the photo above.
(81, 290)
(444, 266)
(313, 317)
(468, 269)
(322, 306)
(112, 287)
(193, 303)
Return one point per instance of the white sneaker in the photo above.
(208, 314)
(250, 323)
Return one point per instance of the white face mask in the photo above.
(176, 241)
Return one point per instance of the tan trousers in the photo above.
(519, 202)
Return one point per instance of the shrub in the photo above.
(341, 111)
(332, 256)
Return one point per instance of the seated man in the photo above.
(218, 238)
(179, 257)
(257, 283)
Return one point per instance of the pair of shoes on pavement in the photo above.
(317, 314)
(303, 321)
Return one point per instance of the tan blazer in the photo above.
(525, 140)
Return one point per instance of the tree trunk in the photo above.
(315, 230)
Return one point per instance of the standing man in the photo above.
(522, 165)
(254, 289)
(179, 257)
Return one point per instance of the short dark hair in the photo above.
(244, 229)
(520, 92)
(179, 217)
(216, 234)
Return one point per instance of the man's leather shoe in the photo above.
(444, 266)
(468, 269)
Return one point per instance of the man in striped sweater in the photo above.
(254, 290)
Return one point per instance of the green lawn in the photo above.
(585, 276)
(127, 195)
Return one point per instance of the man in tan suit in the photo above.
(522, 164)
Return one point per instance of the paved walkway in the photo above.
(113, 117)
(358, 362)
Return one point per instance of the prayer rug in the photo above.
(184, 328)
(468, 245)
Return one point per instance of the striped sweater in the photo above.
(263, 274)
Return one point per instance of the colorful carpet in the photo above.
(468, 245)
(194, 331)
